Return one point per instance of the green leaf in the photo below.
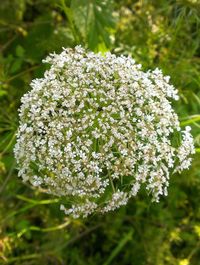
(94, 22)
(19, 51)
(16, 66)
(3, 93)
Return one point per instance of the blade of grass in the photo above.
(36, 202)
(190, 119)
(44, 230)
(23, 258)
(32, 203)
(119, 247)
(7, 178)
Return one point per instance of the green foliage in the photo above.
(161, 33)
(91, 23)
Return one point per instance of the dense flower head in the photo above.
(97, 128)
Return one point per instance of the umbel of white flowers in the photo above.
(97, 128)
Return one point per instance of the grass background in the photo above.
(161, 33)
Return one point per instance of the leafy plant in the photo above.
(162, 34)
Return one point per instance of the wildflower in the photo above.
(96, 129)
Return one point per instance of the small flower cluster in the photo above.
(97, 128)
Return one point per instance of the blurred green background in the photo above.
(157, 33)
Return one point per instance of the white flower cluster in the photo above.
(97, 128)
